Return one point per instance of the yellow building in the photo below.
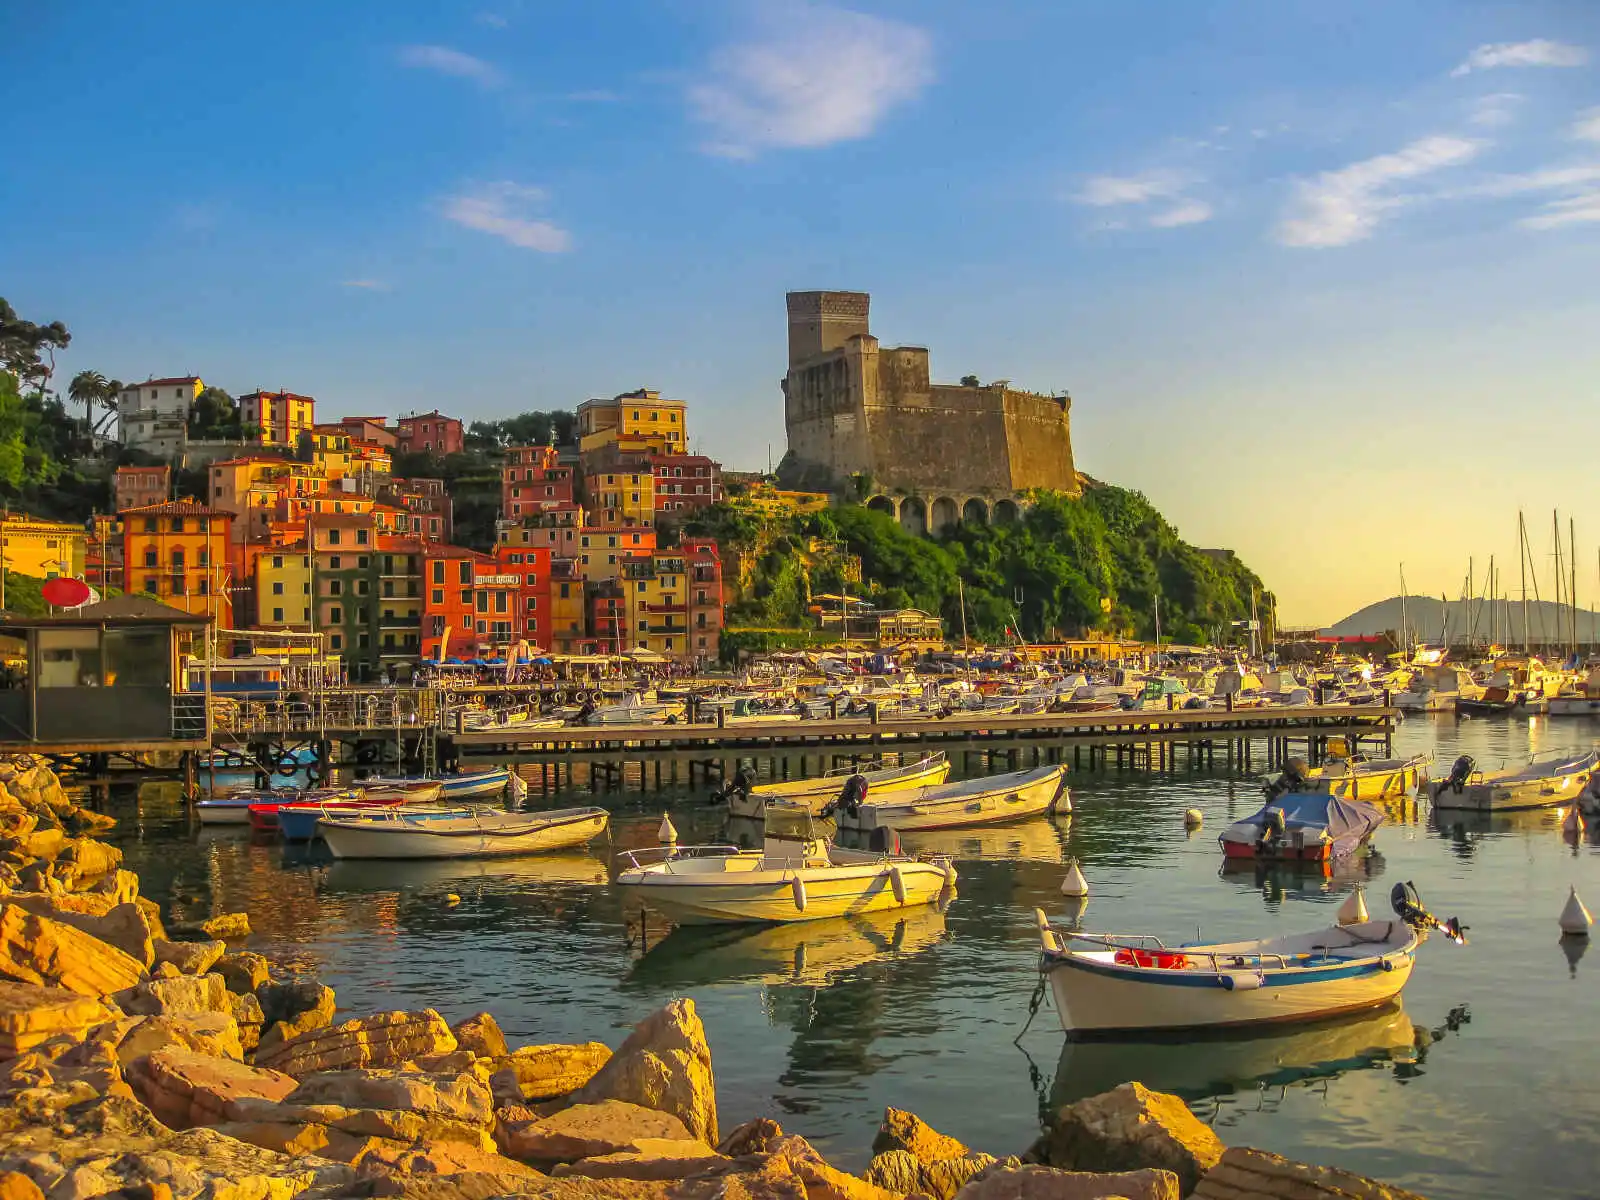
(330, 450)
(603, 549)
(277, 418)
(656, 590)
(43, 549)
(283, 589)
(178, 553)
(622, 497)
(567, 616)
(634, 422)
(254, 488)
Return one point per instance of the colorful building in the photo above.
(531, 566)
(622, 497)
(153, 416)
(136, 487)
(370, 429)
(568, 611)
(430, 433)
(685, 481)
(658, 605)
(449, 607)
(638, 422)
(603, 549)
(399, 603)
(42, 549)
(608, 617)
(178, 552)
(703, 563)
(534, 479)
(283, 588)
(428, 503)
(343, 546)
(277, 418)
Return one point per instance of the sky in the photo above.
(1321, 277)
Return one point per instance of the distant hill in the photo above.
(1427, 618)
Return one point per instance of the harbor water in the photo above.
(1479, 1086)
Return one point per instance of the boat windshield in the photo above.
(789, 822)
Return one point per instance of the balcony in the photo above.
(664, 608)
(673, 629)
(400, 621)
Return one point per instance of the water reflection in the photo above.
(1285, 880)
(356, 876)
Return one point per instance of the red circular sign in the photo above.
(64, 592)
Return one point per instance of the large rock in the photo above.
(184, 1088)
(545, 1072)
(212, 1034)
(1245, 1174)
(243, 971)
(292, 1009)
(665, 1064)
(35, 949)
(90, 859)
(31, 1014)
(1048, 1183)
(584, 1131)
(444, 1158)
(901, 1130)
(192, 958)
(463, 1098)
(481, 1034)
(821, 1179)
(123, 925)
(650, 1159)
(180, 996)
(1129, 1128)
(227, 927)
(16, 1186)
(382, 1040)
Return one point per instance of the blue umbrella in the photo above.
(541, 662)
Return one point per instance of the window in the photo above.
(335, 587)
(438, 572)
(465, 572)
(641, 627)
(149, 524)
(533, 603)
(277, 588)
(363, 639)
(436, 596)
(483, 602)
(177, 524)
(203, 558)
(150, 559)
(336, 615)
(566, 594)
(150, 584)
(69, 658)
(333, 537)
(335, 642)
(361, 537)
(277, 614)
(361, 587)
(466, 597)
(500, 602)
(277, 561)
(334, 562)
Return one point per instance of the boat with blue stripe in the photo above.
(468, 785)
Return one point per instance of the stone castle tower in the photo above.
(934, 452)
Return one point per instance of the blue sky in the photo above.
(1320, 277)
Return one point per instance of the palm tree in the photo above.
(88, 388)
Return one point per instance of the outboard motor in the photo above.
(739, 785)
(1407, 906)
(1460, 771)
(1273, 829)
(1296, 774)
(849, 798)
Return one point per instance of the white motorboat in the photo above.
(1124, 983)
(795, 876)
(635, 711)
(466, 833)
(1545, 781)
(989, 800)
(750, 800)
(1436, 689)
(1355, 776)
(1579, 700)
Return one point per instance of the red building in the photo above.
(703, 563)
(534, 619)
(431, 433)
(369, 429)
(608, 617)
(685, 481)
(449, 600)
(533, 480)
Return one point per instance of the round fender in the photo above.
(1241, 982)
(797, 888)
(897, 881)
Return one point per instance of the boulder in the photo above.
(463, 1098)
(1245, 1174)
(184, 1088)
(212, 1034)
(895, 1171)
(1127, 1129)
(464, 1185)
(227, 927)
(665, 1064)
(122, 887)
(247, 1014)
(584, 1131)
(243, 971)
(443, 1158)
(481, 1035)
(901, 1130)
(382, 1040)
(16, 1186)
(822, 1180)
(31, 1014)
(753, 1137)
(545, 1072)
(191, 958)
(294, 1008)
(122, 925)
(180, 996)
(648, 1158)
(39, 950)
(90, 859)
(1048, 1183)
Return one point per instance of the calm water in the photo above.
(822, 1025)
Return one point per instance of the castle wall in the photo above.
(935, 438)
(1039, 442)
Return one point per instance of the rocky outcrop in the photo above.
(648, 1159)
(290, 1010)
(1245, 1174)
(214, 1034)
(39, 950)
(124, 925)
(244, 972)
(665, 1064)
(180, 996)
(31, 1014)
(901, 1130)
(382, 1040)
(1127, 1129)
(481, 1034)
(584, 1131)
(532, 1073)
(224, 927)
(1048, 1183)
(184, 1088)
(191, 958)
(462, 1097)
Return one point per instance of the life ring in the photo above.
(558, 696)
(288, 764)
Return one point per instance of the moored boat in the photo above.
(234, 808)
(469, 785)
(750, 800)
(1546, 781)
(989, 800)
(461, 833)
(795, 876)
(1302, 826)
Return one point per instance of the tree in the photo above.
(970, 381)
(88, 388)
(28, 350)
(214, 415)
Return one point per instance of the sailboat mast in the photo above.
(1572, 582)
(1522, 556)
(1561, 575)
(1405, 629)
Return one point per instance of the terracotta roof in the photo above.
(159, 382)
(175, 508)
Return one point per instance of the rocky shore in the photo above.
(170, 1063)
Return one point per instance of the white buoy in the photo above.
(1354, 910)
(1193, 818)
(667, 835)
(897, 881)
(1572, 823)
(797, 888)
(1074, 884)
(1575, 918)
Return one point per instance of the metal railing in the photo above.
(354, 708)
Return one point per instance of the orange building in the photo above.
(276, 418)
(533, 480)
(178, 552)
(139, 486)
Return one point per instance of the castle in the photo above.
(932, 453)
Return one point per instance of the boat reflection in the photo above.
(1278, 879)
(1197, 1066)
(363, 876)
(1461, 825)
(1041, 839)
(809, 953)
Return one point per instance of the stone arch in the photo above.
(975, 511)
(883, 504)
(914, 515)
(1005, 512)
(944, 515)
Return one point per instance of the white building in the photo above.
(153, 416)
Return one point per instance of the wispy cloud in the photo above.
(1344, 206)
(1581, 209)
(492, 19)
(1495, 110)
(446, 61)
(1540, 52)
(367, 285)
(812, 76)
(1149, 188)
(1587, 126)
(508, 210)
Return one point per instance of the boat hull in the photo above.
(1372, 782)
(1029, 794)
(1511, 796)
(816, 793)
(429, 839)
(769, 897)
(1575, 706)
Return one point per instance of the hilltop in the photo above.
(1430, 618)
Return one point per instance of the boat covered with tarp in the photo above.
(1308, 826)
